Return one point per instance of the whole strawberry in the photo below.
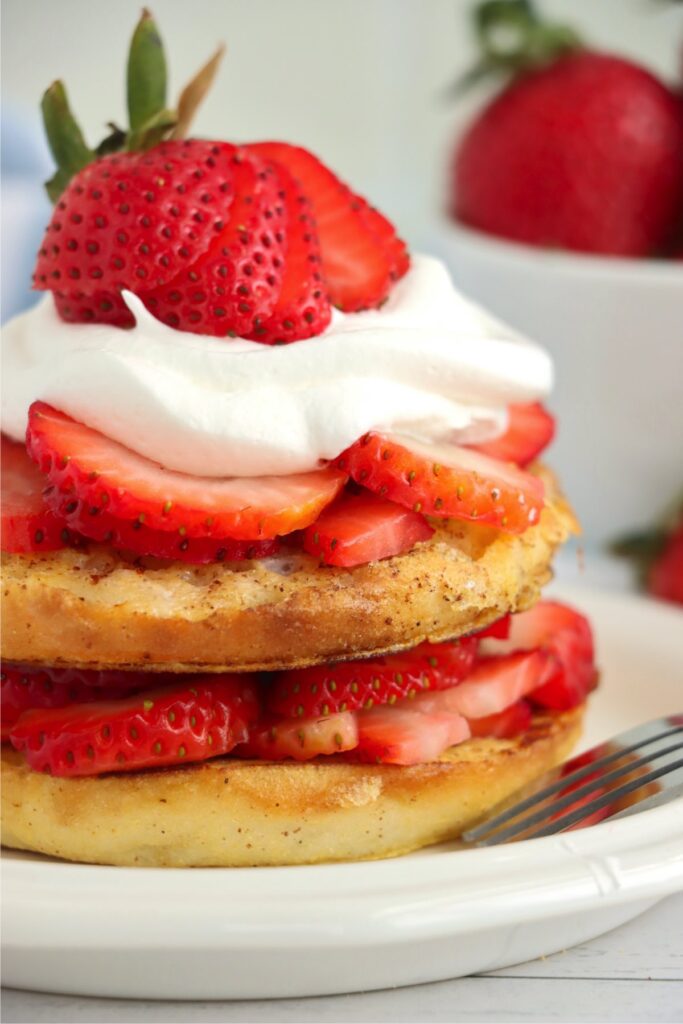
(658, 554)
(257, 241)
(580, 151)
(665, 578)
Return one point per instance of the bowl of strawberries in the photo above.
(566, 219)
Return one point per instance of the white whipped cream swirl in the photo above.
(429, 365)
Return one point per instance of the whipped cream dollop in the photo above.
(429, 365)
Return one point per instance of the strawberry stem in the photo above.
(64, 136)
(146, 75)
(194, 93)
(514, 38)
(151, 121)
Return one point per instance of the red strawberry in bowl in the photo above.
(665, 579)
(658, 554)
(581, 150)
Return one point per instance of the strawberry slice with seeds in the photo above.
(508, 723)
(234, 285)
(26, 522)
(276, 739)
(361, 258)
(352, 685)
(407, 734)
(495, 683)
(302, 308)
(25, 687)
(384, 230)
(79, 307)
(96, 523)
(135, 220)
(564, 633)
(361, 528)
(179, 724)
(530, 429)
(446, 481)
(98, 473)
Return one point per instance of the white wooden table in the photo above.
(632, 974)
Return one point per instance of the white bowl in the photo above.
(615, 330)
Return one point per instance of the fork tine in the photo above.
(665, 794)
(541, 815)
(479, 831)
(563, 823)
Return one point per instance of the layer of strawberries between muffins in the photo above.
(370, 503)
(399, 709)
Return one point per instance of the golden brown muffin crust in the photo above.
(96, 609)
(229, 813)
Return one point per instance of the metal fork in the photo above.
(635, 771)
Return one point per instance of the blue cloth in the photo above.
(25, 165)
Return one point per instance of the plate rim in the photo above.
(631, 859)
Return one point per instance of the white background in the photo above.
(361, 81)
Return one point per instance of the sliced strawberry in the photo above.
(76, 306)
(26, 522)
(385, 232)
(136, 220)
(495, 683)
(530, 429)
(500, 629)
(178, 724)
(360, 258)
(25, 687)
(564, 633)
(511, 722)
(276, 739)
(234, 284)
(302, 308)
(361, 528)
(96, 523)
(100, 473)
(408, 734)
(446, 481)
(351, 685)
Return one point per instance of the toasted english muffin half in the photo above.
(96, 609)
(232, 813)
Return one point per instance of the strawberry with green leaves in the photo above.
(580, 150)
(214, 238)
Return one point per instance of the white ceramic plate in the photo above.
(303, 931)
